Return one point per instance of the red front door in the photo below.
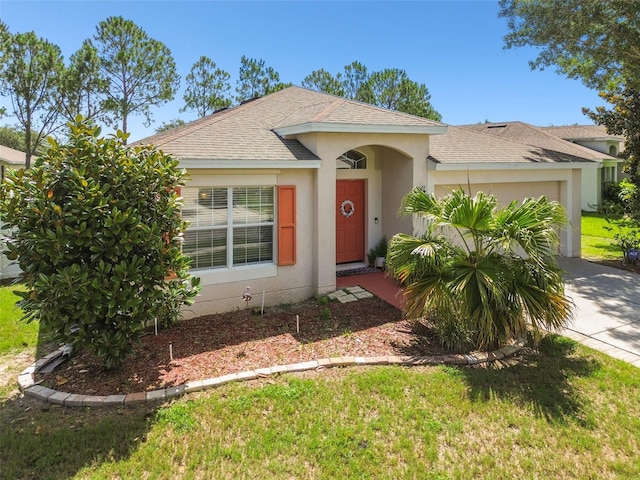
(349, 221)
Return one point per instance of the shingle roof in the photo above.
(246, 132)
(462, 144)
(582, 132)
(12, 156)
(536, 137)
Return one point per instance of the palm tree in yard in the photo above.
(492, 270)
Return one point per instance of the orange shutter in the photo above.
(286, 225)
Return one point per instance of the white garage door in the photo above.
(508, 192)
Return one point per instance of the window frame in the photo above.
(230, 227)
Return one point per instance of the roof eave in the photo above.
(359, 128)
(594, 139)
(199, 163)
(513, 165)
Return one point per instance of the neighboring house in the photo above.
(9, 158)
(601, 149)
(596, 138)
(284, 187)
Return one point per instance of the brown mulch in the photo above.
(629, 267)
(215, 345)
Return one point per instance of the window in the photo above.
(613, 151)
(352, 160)
(608, 174)
(228, 226)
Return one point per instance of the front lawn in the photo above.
(598, 242)
(15, 335)
(564, 411)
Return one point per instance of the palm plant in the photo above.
(494, 270)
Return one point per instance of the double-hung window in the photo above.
(228, 226)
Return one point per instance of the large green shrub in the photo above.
(96, 229)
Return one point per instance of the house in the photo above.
(9, 158)
(588, 142)
(596, 138)
(283, 188)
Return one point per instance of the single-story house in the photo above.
(283, 188)
(9, 158)
(585, 141)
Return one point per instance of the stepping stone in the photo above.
(363, 294)
(354, 290)
(347, 298)
(337, 294)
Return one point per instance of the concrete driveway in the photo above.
(607, 315)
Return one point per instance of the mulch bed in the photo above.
(214, 345)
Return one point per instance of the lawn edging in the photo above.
(30, 388)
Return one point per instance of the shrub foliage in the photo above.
(96, 229)
(482, 270)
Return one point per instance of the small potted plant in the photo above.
(378, 254)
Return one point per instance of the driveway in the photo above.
(607, 316)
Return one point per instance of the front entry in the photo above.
(350, 209)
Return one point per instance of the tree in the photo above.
(141, 71)
(14, 137)
(256, 80)
(591, 40)
(171, 124)
(323, 81)
(624, 120)
(96, 240)
(354, 78)
(5, 40)
(83, 87)
(476, 275)
(392, 89)
(30, 76)
(207, 88)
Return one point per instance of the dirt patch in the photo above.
(214, 345)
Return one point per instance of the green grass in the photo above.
(15, 335)
(567, 412)
(597, 241)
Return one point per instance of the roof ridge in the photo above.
(578, 150)
(344, 100)
(202, 122)
(332, 107)
(572, 145)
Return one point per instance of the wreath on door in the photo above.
(347, 208)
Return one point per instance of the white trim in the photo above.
(513, 166)
(202, 163)
(359, 128)
(219, 276)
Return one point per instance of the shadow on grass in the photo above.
(541, 378)
(51, 442)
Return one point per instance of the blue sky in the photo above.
(454, 47)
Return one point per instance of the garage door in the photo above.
(508, 192)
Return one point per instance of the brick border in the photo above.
(48, 395)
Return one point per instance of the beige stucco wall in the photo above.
(591, 189)
(401, 159)
(222, 288)
(397, 182)
(507, 185)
